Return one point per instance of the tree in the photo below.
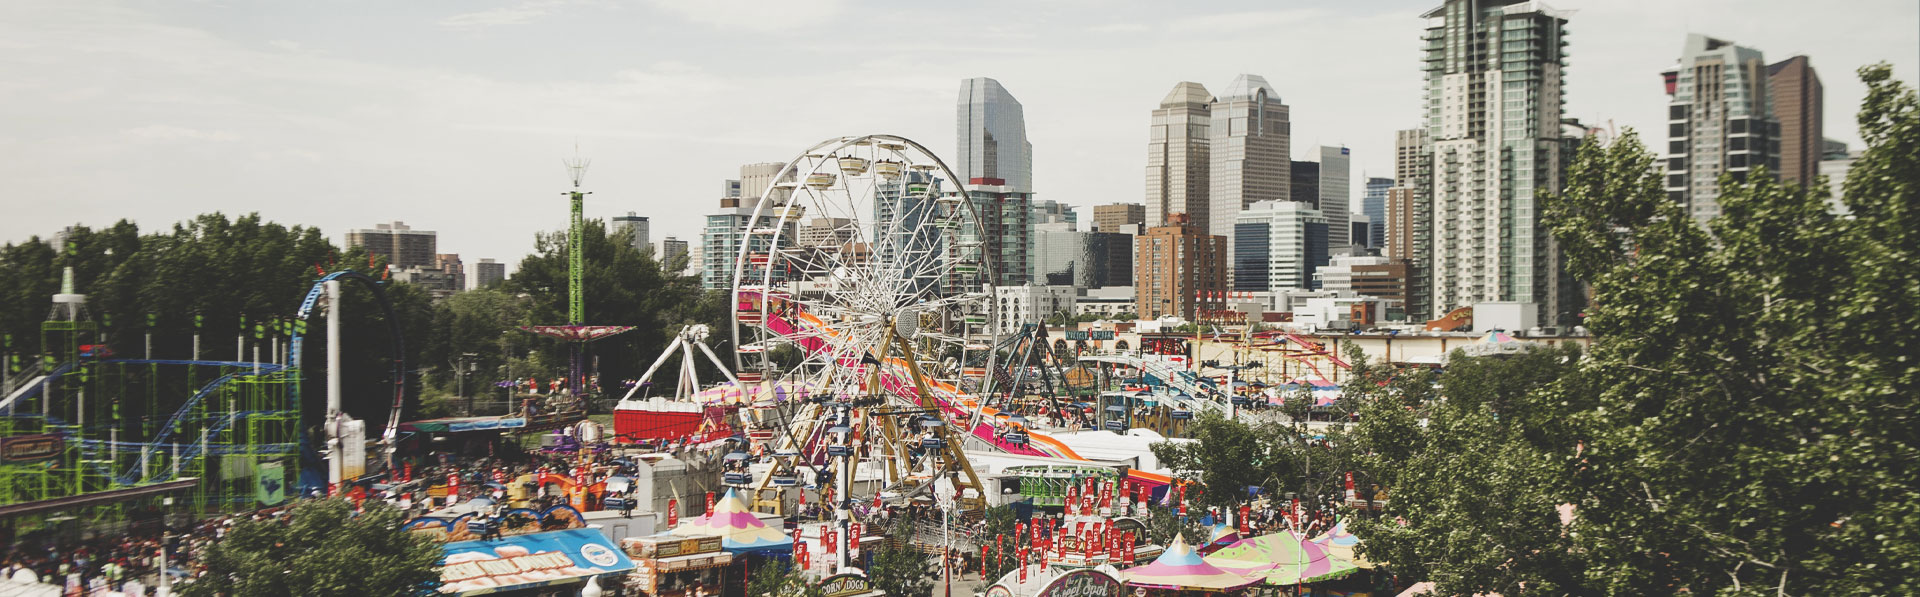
(326, 549)
(624, 286)
(777, 578)
(898, 567)
(1743, 423)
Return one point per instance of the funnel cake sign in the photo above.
(480, 567)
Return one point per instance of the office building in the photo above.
(1053, 212)
(1336, 191)
(825, 232)
(1249, 157)
(1337, 276)
(1109, 258)
(1798, 99)
(488, 272)
(1374, 205)
(1304, 182)
(635, 228)
(992, 136)
(1005, 218)
(672, 249)
(1179, 270)
(437, 282)
(1178, 157)
(1060, 256)
(1359, 228)
(1031, 304)
(1278, 245)
(399, 244)
(1115, 216)
(1718, 121)
(1494, 148)
(455, 269)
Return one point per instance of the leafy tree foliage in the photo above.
(325, 550)
(777, 578)
(624, 286)
(1744, 423)
(898, 567)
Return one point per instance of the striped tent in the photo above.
(739, 530)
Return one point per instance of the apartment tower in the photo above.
(1494, 99)
(1718, 121)
(1797, 99)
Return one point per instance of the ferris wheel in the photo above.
(857, 241)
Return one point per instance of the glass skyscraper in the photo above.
(992, 135)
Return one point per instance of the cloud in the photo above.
(1243, 21)
(754, 15)
(1118, 28)
(522, 13)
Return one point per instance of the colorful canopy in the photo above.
(1221, 536)
(1340, 544)
(576, 333)
(1281, 559)
(1181, 568)
(739, 530)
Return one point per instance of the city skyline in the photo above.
(290, 112)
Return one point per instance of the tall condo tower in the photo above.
(1249, 159)
(992, 131)
(1177, 156)
(1494, 99)
(1718, 121)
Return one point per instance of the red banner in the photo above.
(1244, 526)
(709, 503)
(853, 537)
(673, 513)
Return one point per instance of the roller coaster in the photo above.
(84, 432)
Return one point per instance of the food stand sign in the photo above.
(1083, 583)
(845, 585)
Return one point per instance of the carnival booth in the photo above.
(1280, 559)
(676, 566)
(744, 538)
(1181, 569)
(1059, 582)
(519, 552)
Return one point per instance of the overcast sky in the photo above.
(454, 116)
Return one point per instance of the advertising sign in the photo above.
(31, 448)
(271, 484)
(524, 561)
(1083, 583)
(845, 585)
(353, 449)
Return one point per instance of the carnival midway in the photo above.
(870, 396)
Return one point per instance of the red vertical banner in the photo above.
(800, 555)
(853, 537)
(832, 542)
(1350, 492)
(983, 562)
(1127, 548)
(709, 503)
(1023, 573)
(453, 489)
(1244, 526)
(673, 513)
(407, 475)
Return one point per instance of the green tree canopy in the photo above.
(325, 550)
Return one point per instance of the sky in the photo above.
(455, 116)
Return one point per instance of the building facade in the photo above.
(723, 237)
(1114, 217)
(671, 249)
(455, 269)
(1109, 258)
(1409, 223)
(488, 272)
(1249, 157)
(402, 246)
(754, 180)
(1798, 99)
(1374, 205)
(1336, 191)
(1278, 245)
(1060, 256)
(1175, 266)
(1031, 303)
(992, 136)
(1178, 156)
(1718, 121)
(1494, 104)
(637, 227)
(1005, 219)
(1054, 212)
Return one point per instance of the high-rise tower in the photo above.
(992, 135)
(1718, 121)
(1177, 155)
(1797, 99)
(1494, 99)
(1248, 157)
